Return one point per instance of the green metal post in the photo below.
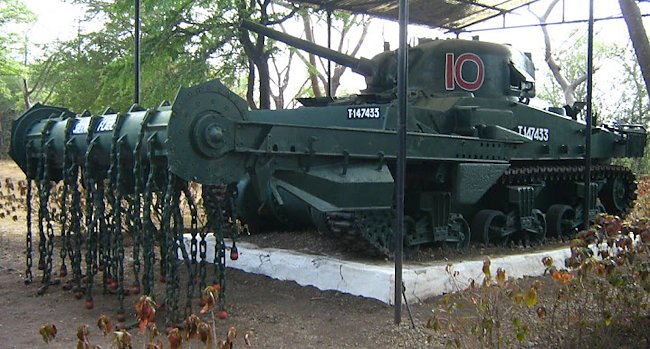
(402, 85)
(136, 98)
(590, 75)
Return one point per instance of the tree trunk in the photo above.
(250, 85)
(28, 103)
(568, 87)
(2, 135)
(634, 21)
(262, 65)
(313, 75)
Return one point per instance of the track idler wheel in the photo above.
(618, 195)
(560, 221)
(488, 225)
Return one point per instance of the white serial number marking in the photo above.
(534, 133)
(363, 113)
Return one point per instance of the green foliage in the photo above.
(10, 106)
(621, 99)
(572, 58)
(620, 95)
(633, 105)
(11, 70)
(11, 12)
(183, 42)
(344, 40)
(179, 42)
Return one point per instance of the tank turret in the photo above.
(436, 66)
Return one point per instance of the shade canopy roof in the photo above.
(454, 15)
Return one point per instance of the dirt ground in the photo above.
(277, 314)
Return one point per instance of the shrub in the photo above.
(598, 297)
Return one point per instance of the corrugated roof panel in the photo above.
(449, 14)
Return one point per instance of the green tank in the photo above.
(481, 162)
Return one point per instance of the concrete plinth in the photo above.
(376, 280)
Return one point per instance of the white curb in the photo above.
(376, 280)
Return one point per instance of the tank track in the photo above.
(362, 231)
(365, 231)
(517, 175)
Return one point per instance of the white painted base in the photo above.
(376, 280)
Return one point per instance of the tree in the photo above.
(633, 106)
(181, 40)
(622, 98)
(11, 12)
(282, 68)
(283, 63)
(634, 21)
(567, 85)
(11, 69)
(343, 23)
(256, 48)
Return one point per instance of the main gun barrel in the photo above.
(361, 66)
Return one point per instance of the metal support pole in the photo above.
(588, 116)
(136, 98)
(329, 45)
(402, 85)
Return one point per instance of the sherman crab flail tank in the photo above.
(482, 164)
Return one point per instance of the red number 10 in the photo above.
(454, 72)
